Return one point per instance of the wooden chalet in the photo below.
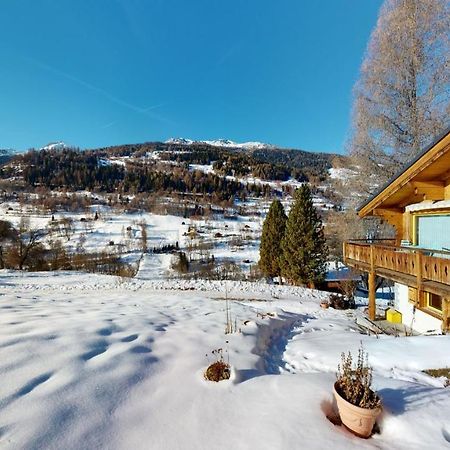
(417, 203)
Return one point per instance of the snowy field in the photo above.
(228, 239)
(90, 361)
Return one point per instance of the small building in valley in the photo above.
(417, 203)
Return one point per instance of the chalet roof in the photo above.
(422, 178)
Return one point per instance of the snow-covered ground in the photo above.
(116, 231)
(91, 361)
(342, 173)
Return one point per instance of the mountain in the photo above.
(233, 159)
(6, 154)
(221, 143)
(54, 146)
(7, 151)
(179, 141)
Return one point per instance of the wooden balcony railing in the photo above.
(409, 265)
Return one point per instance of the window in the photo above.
(432, 231)
(434, 301)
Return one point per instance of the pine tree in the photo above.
(304, 248)
(272, 234)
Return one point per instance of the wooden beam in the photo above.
(428, 190)
(436, 288)
(364, 267)
(387, 211)
(428, 184)
(372, 290)
(407, 226)
(418, 269)
(420, 195)
(372, 295)
(446, 176)
(398, 277)
(445, 314)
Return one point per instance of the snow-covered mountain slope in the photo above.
(342, 173)
(6, 154)
(6, 151)
(55, 146)
(221, 143)
(181, 141)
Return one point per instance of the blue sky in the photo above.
(104, 72)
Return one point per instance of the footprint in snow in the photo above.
(50, 337)
(33, 384)
(97, 349)
(130, 338)
(140, 349)
(446, 435)
(105, 331)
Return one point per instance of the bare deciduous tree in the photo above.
(27, 243)
(402, 99)
(345, 225)
(7, 233)
(144, 237)
(57, 255)
(67, 227)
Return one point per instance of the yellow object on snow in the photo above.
(393, 316)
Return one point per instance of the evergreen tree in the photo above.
(304, 248)
(272, 234)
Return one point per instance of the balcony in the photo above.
(415, 267)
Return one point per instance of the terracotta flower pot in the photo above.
(359, 421)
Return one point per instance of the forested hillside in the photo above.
(266, 163)
(76, 170)
(220, 174)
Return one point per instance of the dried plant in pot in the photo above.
(358, 405)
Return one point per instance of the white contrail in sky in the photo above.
(146, 111)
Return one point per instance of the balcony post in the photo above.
(419, 277)
(445, 314)
(372, 293)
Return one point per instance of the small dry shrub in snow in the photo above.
(354, 384)
(219, 370)
(339, 301)
(440, 373)
(348, 288)
(180, 263)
